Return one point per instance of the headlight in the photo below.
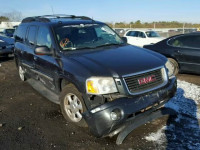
(170, 68)
(100, 85)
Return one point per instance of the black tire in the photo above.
(70, 90)
(176, 67)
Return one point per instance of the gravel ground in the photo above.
(29, 121)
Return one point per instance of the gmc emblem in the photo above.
(146, 80)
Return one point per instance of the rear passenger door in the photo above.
(132, 37)
(141, 40)
(28, 53)
(46, 67)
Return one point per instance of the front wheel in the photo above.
(173, 66)
(72, 105)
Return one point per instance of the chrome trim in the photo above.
(41, 74)
(26, 65)
(164, 75)
(189, 63)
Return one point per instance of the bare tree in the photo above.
(14, 16)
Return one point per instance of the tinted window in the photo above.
(133, 33)
(20, 33)
(43, 37)
(142, 35)
(31, 35)
(192, 41)
(10, 31)
(128, 34)
(152, 34)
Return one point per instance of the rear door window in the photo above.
(31, 35)
(141, 35)
(189, 41)
(134, 33)
(20, 33)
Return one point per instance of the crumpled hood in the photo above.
(119, 61)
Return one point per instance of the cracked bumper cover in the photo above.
(100, 122)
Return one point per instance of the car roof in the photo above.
(59, 19)
(141, 30)
(195, 33)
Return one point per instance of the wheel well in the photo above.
(16, 62)
(63, 83)
(175, 60)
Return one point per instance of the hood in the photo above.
(7, 40)
(119, 61)
(3, 43)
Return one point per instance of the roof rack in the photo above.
(46, 18)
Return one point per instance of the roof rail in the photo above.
(46, 18)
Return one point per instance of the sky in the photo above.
(110, 10)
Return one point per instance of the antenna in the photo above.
(52, 10)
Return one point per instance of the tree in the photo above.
(14, 16)
(3, 18)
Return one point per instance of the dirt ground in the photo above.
(30, 121)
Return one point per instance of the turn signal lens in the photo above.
(91, 88)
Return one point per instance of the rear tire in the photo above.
(175, 67)
(72, 105)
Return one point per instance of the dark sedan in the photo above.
(183, 52)
(6, 46)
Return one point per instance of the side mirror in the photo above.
(124, 39)
(42, 50)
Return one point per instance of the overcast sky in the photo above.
(110, 10)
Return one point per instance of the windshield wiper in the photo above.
(69, 48)
(109, 44)
(88, 47)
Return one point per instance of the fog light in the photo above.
(115, 114)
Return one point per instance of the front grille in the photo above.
(134, 85)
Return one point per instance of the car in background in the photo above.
(120, 32)
(6, 46)
(183, 52)
(8, 32)
(142, 37)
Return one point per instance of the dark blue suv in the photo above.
(98, 79)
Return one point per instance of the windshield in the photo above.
(10, 31)
(72, 37)
(152, 34)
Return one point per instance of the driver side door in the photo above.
(46, 66)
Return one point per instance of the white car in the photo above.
(141, 37)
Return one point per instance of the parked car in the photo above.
(142, 37)
(6, 46)
(183, 52)
(98, 80)
(8, 32)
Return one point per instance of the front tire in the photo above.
(72, 105)
(174, 66)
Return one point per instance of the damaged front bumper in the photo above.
(117, 116)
